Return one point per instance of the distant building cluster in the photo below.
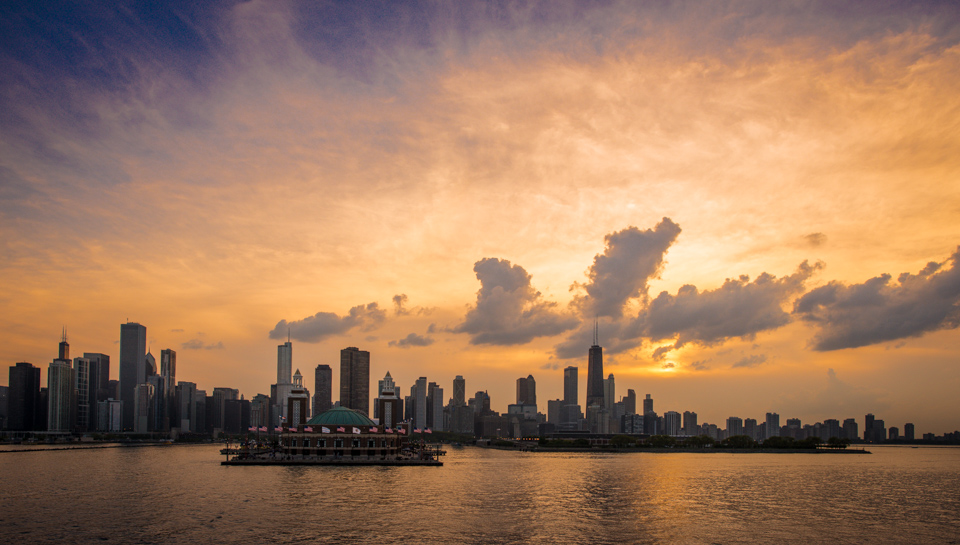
(80, 398)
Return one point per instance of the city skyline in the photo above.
(756, 205)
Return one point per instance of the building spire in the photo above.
(596, 332)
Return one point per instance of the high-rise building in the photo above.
(609, 392)
(322, 389)
(388, 403)
(595, 375)
(298, 403)
(734, 426)
(630, 402)
(419, 395)
(527, 391)
(908, 432)
(86, 406)
(435, 407)
(671, 423)
(168, 381)
(23, 403)
(690, 426)
(459, 392)
(284, 362)
(850, 430)
(355, 379)
(570, 385)
(648, 404)
(750, 428)
(99, 388)
(186, 416)
(773, 425)
(143, 396)
(61, 392)
(133, 368)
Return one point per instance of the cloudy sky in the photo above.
(758, 204)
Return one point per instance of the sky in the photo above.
(757, 204)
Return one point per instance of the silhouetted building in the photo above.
(62, 398)
(387, 405)
(23, 401)
(168, 397)
(671, 423)
(773, 425)
(186, 407)
(355, 379)
(630, 402)
(298, 403)
(322, 389)
(690, 426)
(734, 426)
(133, 368)
(850, 430)
(143, 396)
(750, 428)
(418, 396)
(595, 376)
(98, 386)
(648, 404)
(459, 392)
(908, 432)
(527, 391)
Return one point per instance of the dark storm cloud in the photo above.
(412, 340)
(877, 311)
(631, 258)
(738, 308)
(321, 325)
(509, 310)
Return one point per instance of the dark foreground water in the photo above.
(180, 494)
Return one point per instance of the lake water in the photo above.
(180, 494)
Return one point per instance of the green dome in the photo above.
(341, 416)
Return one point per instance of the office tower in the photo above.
(108, 415)
(298, 403)
(908, 432)
(86, 404)
(435, 407)
(322, 389)
(595, 373)
(133, 350)
(570, 385)
(387, 405)
(651, 423)
(527, 391)
(734, 426)
(459, 392)
(648, 404)
(868, 427)
(355, 379)
(218, 410)
(773, 425)
(630, 402)
(554, 410)
(260, 411)
(284, 362)
(671, 423)
(186, 416)
(419, 395)
(24, 397)
(750, 428)
(609, 392)
(143, 396)
(99, 385)
(200, 411)
(61, 391)
(168, 381)
(690, 426)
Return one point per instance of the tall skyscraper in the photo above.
(168, 376)
(609, 392)
(671, 423)
(61, 391)
(459, 392)
(526, 391)
(355, 379)
(86, 403)
(909, 433)
(99, 384)
(133, 370)
(435, 407)
(322, 389)
(419, 395)
(186, 418)
(23, 403)
(570, 385)
(595, 373)
(284, 362)
(648, 404)
(630, 402)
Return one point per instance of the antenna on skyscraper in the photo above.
(288, 334)
(63, 337)
(596, 331)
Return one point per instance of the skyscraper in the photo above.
(570, 385)
(281, 390)
(61, 391)
(526, 391)
(419, 395)
(773, 425)
(168, 380)
(459, 392)
(86, 403)
(648, 404)
(322, 389)
(133, 371)
(355, 379)
(284, 362)
(24, 397)
(99, 384)
(630, 402)
(595, 374)
(609, 392)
